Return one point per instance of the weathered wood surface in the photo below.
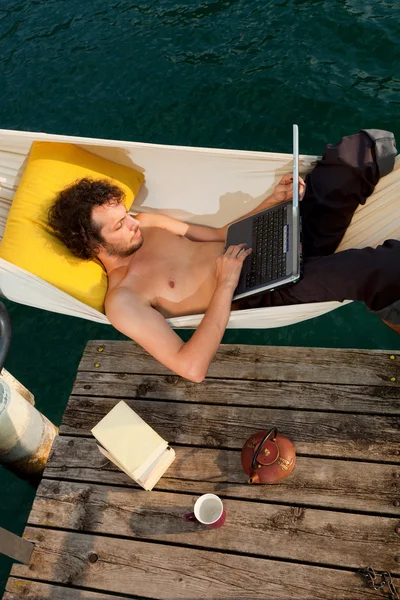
(364, 437)
(98, 536)
(265, 530)
(26, 589)
(269, 394)
(269, 363)
(163, 571)
(314, 481)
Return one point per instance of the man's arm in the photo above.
(146, 326)
(200, 233)
(196, 233)
(283, 192)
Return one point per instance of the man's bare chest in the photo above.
(172, 268)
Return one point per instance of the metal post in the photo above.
(15, 547)
(5, 334)
(26, 436)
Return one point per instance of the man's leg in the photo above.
(344, 178)
(369, 275)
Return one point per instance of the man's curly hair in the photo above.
(70, 217)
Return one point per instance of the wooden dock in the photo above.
(98, 536)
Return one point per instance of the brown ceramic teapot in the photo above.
(268, 457)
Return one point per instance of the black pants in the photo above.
(344, 178)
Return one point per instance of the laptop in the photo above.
(274, 236)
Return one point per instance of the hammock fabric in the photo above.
(199, 185)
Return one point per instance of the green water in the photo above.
(229, 74)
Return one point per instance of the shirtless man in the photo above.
(159, 267)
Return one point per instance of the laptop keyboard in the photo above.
(268, 259)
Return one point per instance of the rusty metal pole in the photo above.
(26, 436)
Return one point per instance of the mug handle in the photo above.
(190, 517)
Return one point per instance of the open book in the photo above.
(133, 446)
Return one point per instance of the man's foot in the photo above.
(395, 328)
(385, 150)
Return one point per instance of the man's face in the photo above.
(120, 232)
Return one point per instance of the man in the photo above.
(159, 267)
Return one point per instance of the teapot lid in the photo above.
(267, 454)
(267, 451)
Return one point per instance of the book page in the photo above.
(112, 459)
(152, 476)
(150, 461)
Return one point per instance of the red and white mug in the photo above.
(209, 511)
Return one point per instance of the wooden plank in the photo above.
(341, 435)
(339, 484)
(267, 530)
(164, 572)
(34, 590)
(268, 363)
(271, 394)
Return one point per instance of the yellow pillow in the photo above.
(27, 240)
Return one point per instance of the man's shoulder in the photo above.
(120, 294)
(122, 299)
(124, 307)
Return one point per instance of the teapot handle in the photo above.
(272, 432)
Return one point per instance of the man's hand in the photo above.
(230, 264)
(284, 190)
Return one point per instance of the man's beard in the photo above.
(120, 250)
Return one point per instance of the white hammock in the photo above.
(198, 185)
